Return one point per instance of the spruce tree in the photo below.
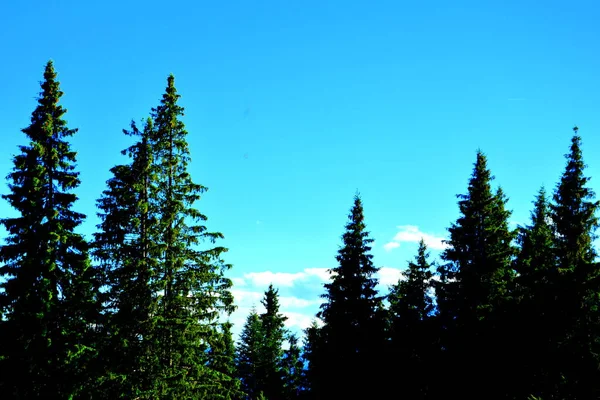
(249, 363)
(534, 303)
(412, 333)
(293, 370)
(192, 291)
(48, 292)
(312, 355)
(124, 251)
(272, 350)
(475, 287)
(222, 360)
(576, 283)
(352, 336)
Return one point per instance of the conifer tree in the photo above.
(412, 333)
(48, 292)
(475, 286)
(311, 355)
(293, 370)
(535, 266)
(352, 336)
(222, 360)
(248, 357)
(193, 291)
(576, 283)
(272, 350)
(261, 349)
(124, 250)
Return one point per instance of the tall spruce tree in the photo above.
(412, 332)
(475, 287)
(261, 350)
(249, 363)
(353, 332)
(222, 360)
(534, 303)
(312, 355)
(272, 349)
(47, 295)
(126, 256)
(576, 282)
(293, 370)
(192, 291)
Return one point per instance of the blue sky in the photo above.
(293, 106)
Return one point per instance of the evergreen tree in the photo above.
(47, 294)
(535, 266)
(272, 350)
(248, 358)
(124, 250)
(475, 288)
(412, 333)
(576, 283)
(192, 291)
(261, 350)
(352, 336)
(293, 370)
(311, 354)
(222, 360)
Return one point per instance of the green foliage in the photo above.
(248, 359)
(189, 282)
(411, 329)
(292, 366)
(475, 287)
(576, 283)
(352, 336)
(124, 250)
(260, 353)
(47, 296)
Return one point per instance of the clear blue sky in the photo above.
(293, 106)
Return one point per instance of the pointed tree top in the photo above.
(575, 129)
(171, 80)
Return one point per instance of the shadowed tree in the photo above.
(352, 337)
(412, 333)
(576, 282)
(475, 290)
(125, 253)
(48, 289)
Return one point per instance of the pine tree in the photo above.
(412, 333)
(272, 350)
(576, 283)
(293, 370)
(48, 294)
(124, 251)
(192, 291)
(248, 357)
(352, 336)
(475, 287)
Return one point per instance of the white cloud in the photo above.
(276, 278)
(298, 320)
(412, 234)
(238, 281)
(282, 279)
(390, 246)
(389, 276)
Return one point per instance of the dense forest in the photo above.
(140, 311)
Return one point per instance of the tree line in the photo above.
(140, 310)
